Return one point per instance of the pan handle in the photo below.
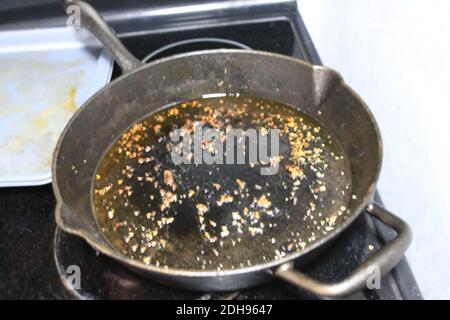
(93, 21)
(385, 259)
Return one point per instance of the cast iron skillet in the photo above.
(145, 87)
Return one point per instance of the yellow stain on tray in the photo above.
(39, 100)
(70, 104)
(41, 123)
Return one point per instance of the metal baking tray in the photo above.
(46, 74)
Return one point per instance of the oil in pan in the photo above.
(194, 215)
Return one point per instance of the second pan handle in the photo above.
(385, 259)
(93, 21)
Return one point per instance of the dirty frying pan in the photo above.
(145, 88)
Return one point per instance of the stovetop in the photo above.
(36, 256)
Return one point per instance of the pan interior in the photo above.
(221, 216)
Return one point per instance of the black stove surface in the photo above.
(36, 256)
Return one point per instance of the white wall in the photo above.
(396, 54)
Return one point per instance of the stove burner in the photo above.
(194, 45)
(103, 278)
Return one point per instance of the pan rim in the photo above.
(266, 266)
